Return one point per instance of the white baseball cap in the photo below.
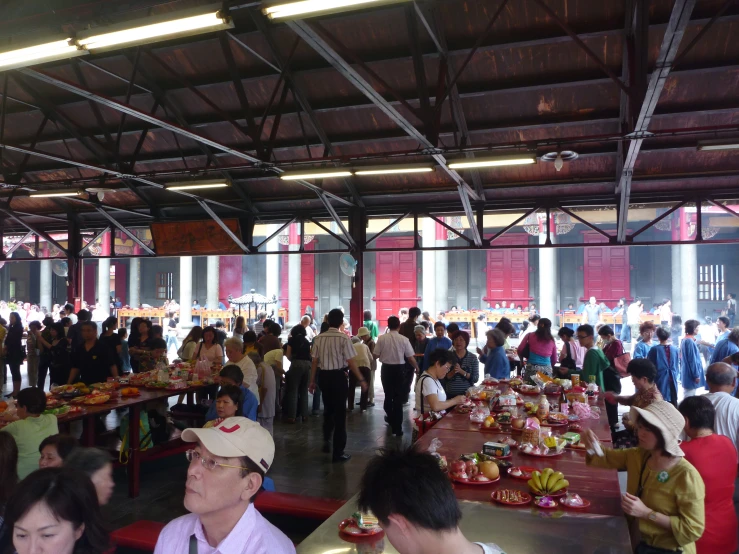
(235, 437)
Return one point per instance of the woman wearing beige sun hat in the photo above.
(665, 494)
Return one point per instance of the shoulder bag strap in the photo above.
(193, 545)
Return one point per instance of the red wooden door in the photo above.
(89, 283)
(395, 277)
(121, 282)
(606, 270)
(229, 278)
(508, 271)
(307, 278)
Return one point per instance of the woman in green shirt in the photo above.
(664, 492)
(370, 325)
(32, 427)
(595, 362)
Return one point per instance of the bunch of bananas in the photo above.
(547, 481)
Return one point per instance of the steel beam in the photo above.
(130, 110)
(320, 45)
(429, 18)
(125, 231)
(17, 245)
(656, 220)
(223, 226)
(92, 241)
(584, 47)
(302, 99)
(335, 216)
(10, 213)
(679, 19)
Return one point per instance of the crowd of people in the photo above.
(326, 363)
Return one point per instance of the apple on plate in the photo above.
(458, 468)
(471, 468)
(518, 422)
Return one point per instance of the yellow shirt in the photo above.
(678, 493)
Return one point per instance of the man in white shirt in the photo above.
(429, 518)
(227, 467)
(721, 380)
(305, 321)
(393, 350)
(633, 318)
(665, 313)
(235, 354)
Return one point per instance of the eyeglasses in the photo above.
(208, 463)
(582, 337)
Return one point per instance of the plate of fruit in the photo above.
(361, 526)
(548, 483)
(130, 391)
(469, 472)
(511, 497)
(489, 424)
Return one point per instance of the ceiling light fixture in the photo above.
(55, 193)
(50, 51)
(391, 170)
(128, 35)
(708, 146)
(559, 158)
(314, 7)
(197, 185)
(317, 174)
(494, 162)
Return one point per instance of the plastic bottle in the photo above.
(542, 411)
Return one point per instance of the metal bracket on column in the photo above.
(223, 226)
(512, 225)
(329, 231)
(656, 220)
(125, 231)
(273, 235)
(448, 227)
(386, 229)
(337, 220)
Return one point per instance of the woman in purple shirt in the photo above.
(539, 349)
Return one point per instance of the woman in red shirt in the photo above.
(715, 458)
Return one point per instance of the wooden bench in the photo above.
(143, 535)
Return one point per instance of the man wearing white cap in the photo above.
(227, 467)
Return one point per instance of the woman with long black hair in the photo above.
(110, 338)
(14, 354)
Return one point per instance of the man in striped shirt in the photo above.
(394, 350)
(333, 351)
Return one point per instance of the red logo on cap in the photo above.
(230, 429)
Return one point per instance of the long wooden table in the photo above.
(206, 316)
(134, 405)
(599, 529)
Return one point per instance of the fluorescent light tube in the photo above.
(149, 33)
(718, 146)
(306, 7)
(318, 174)
(197, 186)
(494, 162)
(390, 170)
(47, 52)
(55, 193)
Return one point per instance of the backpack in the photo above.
(145, 440)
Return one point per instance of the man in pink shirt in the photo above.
(227, 466)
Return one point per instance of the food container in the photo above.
(571, 438)
(496, 449)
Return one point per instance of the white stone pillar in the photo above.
(272, 285)
(134, 283)
(294, 287)
(45, 278)
(103, 290)
(442, 277)
(677, 291)
(689, 281)
(186, 292)
(548, 281)
(428, 267)
(212, 282)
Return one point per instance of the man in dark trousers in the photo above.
(333, 352)
(407, 330)
(394, 351)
